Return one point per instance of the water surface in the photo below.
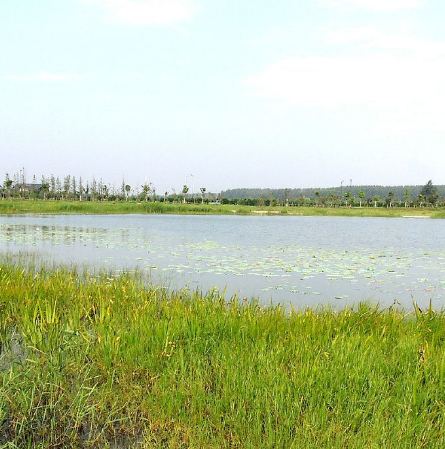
(298, 260)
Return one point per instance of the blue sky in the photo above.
(239, 94)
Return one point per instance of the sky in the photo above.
(224, 94)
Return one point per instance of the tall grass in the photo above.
(108, 207)
(95, 361)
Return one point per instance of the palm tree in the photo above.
(390, 197)
(286, 197)
(317, 198)
(45, 189)
(146, 189)
(185, 189)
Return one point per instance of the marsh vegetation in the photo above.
(98, 361)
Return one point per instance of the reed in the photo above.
(92, 360)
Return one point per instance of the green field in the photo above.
(98, 361)
(108, 207)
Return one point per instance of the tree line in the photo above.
(360, 196)
(77, 189)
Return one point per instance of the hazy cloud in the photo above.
(44, 77)
(398, 77)
(146, 12)
(373, 38)
(375, 5)
(323, 81)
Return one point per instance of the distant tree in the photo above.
(347, 196)
(421, 199)
(429, 191)
(87, 191)
(66, 186)
(123, 195)
(317, 198)
(101, 189)
(127, 191)
(33, 190)
(52, 181)
(45, 187)
(185, 190)
(203, 193)
(146, 190)
(286, 197)
(8, 185)
(81, 188)
(361, 195)
(58, 188)
(376, 200)
(94, 189)
(390, 198)
(407, 197)
(74, 187)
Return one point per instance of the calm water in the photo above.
(302, 260)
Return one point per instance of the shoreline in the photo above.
(8, 207)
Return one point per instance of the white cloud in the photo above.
(146, 12)
(374, 38)
(397, 79)
(356, 34)
(44, 77)
(378, 81)
(373, 5)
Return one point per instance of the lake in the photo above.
(299, 260)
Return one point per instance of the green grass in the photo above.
(90, 361)
(108, 207)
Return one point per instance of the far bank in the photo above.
(130, 207)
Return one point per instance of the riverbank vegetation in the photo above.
(93, 360)
(71, 188)
(133, 207)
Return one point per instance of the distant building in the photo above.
(27, 188)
